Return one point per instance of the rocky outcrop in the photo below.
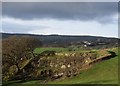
(57, 66)
(54, 67)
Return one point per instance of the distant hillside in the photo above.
(65, 40)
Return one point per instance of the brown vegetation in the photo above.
(14, 50)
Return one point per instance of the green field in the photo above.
(61, 49)
(57, 49)
(105, 72)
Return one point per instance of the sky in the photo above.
(63, 18)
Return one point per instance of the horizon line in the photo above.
(57, 34)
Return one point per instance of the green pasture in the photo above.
(57, 49)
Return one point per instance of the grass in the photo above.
(57, 49)
(105, 72)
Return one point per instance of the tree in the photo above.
(14, 48)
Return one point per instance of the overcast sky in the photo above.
(63, 18)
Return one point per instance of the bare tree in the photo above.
(14, 48)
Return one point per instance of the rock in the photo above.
(60, 74)
(68, 65)
(56, 65)
(63, 67)
(66, 54)
(73, 54)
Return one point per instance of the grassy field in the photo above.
(105, 72)
(57, 49)
(60, 50)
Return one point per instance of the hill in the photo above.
(68, 40)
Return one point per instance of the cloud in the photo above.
(19, 26)
(61, 10)
(0, 11)
(54, 26)
(68, 18)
